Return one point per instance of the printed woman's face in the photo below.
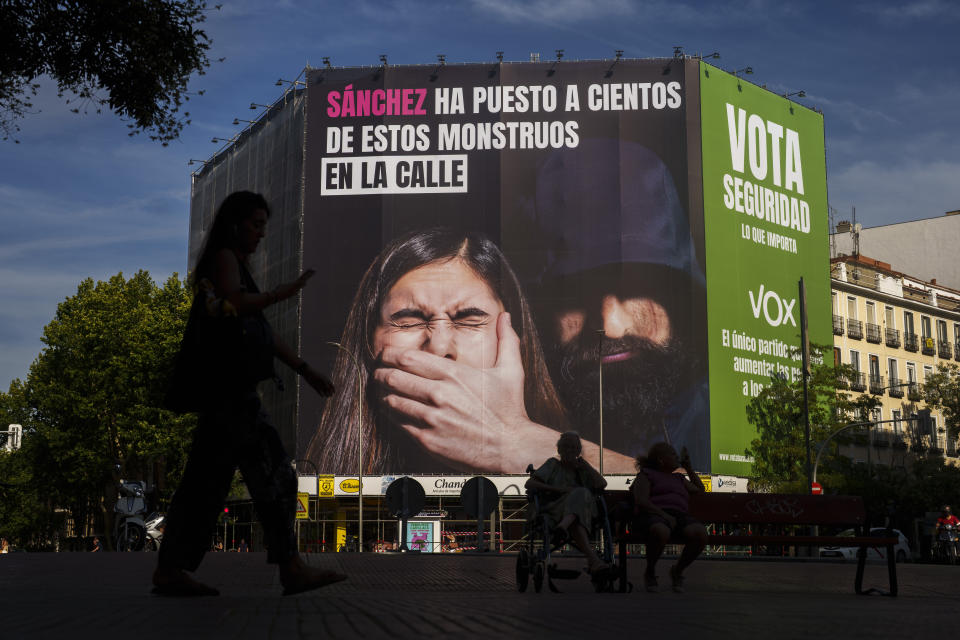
(443, 308)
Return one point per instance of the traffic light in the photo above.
(226, 509)
(925, 423)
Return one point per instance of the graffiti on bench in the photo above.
(780, 506)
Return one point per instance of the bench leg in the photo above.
(891, 573)
(892, 570)
(861, 563)
(622, 567)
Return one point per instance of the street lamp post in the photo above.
(356, 364)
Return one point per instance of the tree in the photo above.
(131, 56)
(779, 450)
(942, 391)
(92, 400)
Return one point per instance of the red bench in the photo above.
(767, 509)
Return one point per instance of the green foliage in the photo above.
(133, 57)
(91, 404)
(942, 391)
(779, 451)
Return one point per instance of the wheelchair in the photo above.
(540, 541)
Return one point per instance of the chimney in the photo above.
(843, 226)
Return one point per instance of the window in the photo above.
(892, 370)
(834, 303)
(855, 360)
(851, 307)
(927, 372)
(925, 327)
(956, 333)
(837, 358)
(942, 330)
(897, 426)
(908, 322)
(889, 317)
(876, 415)
(911, 372)
(871, 312)
(874, 368)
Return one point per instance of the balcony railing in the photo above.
(895, 388)
(876, 384)
(910, 342)
(944, 349)
(913, 392)
(892, 337)
(873, 333)
(854, 329)
(858, 381)
(928, 346)
(837, 325)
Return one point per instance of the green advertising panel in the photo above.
(766, 226)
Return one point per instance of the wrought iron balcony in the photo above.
(892, 337)
(837, 325)
(858, 381)
(876, 384)
(944, 349)
(895, 388)
(854, 329)
(928, 346)
(913, 392)
(910, 342)
(873, 333)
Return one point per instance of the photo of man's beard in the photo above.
(636, 391)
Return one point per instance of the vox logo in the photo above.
(776, 310)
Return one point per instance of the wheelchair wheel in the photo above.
(538, 571)
(523, 570)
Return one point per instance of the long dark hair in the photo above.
(335, 442)
(223, 234)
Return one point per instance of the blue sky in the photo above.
(78, 198)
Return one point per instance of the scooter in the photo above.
(131, 531)
(155, 525)
(947, 543)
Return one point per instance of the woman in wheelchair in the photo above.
(568, 487)
(661, 497)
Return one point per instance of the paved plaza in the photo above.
(463, 596)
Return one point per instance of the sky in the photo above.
(79, 198)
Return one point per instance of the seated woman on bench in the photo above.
(661, 495)
(569, 501)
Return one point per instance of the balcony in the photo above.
(858, 381)
(913, 392)
(854, 329)
(895, 388)
(910, 342)
(873, 333)
(837, 325)
(928, 346)
(892, 337)
(876, 384)
(944, 349)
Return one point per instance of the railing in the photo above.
(873, 333)
(837, 325)
(895, 389)
(858, 381)
(944, 349)
(928, 346)
(854, 329)
(876, 384)
(893, 337)
(910, 342)
(913, 392)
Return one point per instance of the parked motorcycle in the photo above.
(130, 530)
(156, 524)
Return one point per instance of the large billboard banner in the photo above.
(765, 213)
(511, 251)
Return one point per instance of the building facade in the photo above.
(894, 330)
